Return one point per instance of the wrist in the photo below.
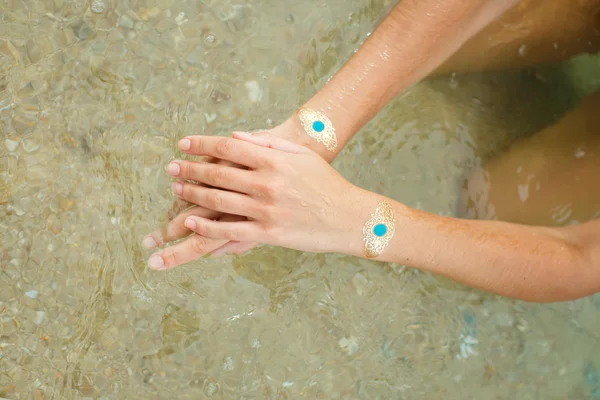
(372, 228)
(358, 206)
(293, 131)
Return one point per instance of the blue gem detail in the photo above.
(318, 126)
(380, 230)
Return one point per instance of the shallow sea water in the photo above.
(93, 98)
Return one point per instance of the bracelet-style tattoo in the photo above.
(319, 127)
(379, 230)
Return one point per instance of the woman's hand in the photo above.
(290, 196)
(196, 246)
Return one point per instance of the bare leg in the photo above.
(550, 178)
(534, 32)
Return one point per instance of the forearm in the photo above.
(529, 263)
(413, 40)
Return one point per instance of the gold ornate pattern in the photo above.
(325, 133)
(379, 230)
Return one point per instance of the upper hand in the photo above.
(290, 195)
(196, 246)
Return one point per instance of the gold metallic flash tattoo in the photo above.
(379, 230)
(319, 127)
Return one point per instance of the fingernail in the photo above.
(177, 188)
(185, 144)
(173, 169)
(190, 223)
(156, 262)
(149, 242)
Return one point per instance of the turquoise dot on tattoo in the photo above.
(318, 126)
(380, 230)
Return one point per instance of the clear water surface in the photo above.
(93, 98)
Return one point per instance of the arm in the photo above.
(525, 262)
(412, 41)
(295, 199)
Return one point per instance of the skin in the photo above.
(413, 40)
(294, 199)
(380, 66)
(530, 263)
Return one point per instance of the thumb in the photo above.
(237, 248)
(271, 142)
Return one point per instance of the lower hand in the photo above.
(194, 246)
